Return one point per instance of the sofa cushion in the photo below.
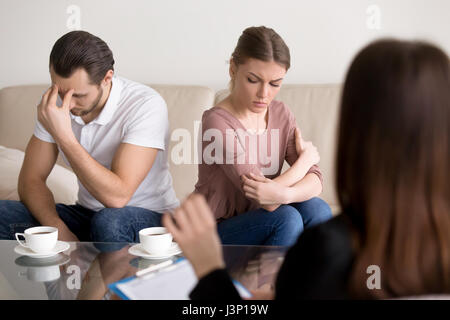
(62, 182)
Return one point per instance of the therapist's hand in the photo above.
(196, 234)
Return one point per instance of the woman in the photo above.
(393, 184)
(253, 136)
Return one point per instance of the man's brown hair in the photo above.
(80, 49)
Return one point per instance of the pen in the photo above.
(155, 267)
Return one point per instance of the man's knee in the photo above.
(105, 224)
(14, 217)
(121, 224)
(11, 205)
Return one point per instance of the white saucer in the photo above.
(138, 250)
(59, 247)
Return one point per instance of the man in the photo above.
(112, 132)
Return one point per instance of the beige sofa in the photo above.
(315, 108)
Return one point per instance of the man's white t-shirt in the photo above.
(135, 114)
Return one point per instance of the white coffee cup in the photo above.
(155, 240)
(39, 239)
(42, 274)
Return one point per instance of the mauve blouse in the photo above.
(230, 151)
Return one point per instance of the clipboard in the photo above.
(174, 282)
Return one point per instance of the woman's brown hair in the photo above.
(261, 43)
(393, 167)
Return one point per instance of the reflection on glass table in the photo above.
(86, 268)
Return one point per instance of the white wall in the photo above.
(188, 42)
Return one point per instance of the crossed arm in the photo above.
(294, 185)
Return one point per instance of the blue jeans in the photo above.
(277, 228)
(106, 225)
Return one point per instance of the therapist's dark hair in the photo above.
(393, 174)
(80, 49)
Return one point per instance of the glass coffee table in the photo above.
(86, 268)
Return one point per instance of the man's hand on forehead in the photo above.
(56, 120)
